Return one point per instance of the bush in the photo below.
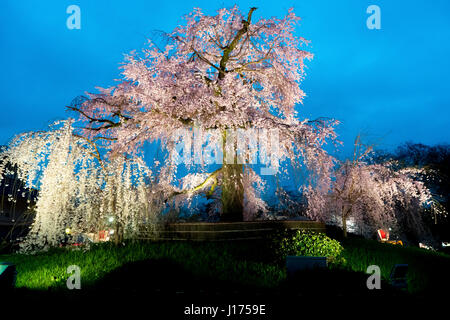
(306, 243)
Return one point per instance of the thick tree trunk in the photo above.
(232, 193)
(232, 186)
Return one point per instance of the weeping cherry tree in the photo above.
(216, 75)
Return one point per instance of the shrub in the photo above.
(306, 243)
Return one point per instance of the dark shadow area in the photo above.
(336, 283)
(163, 287)
(158, 277)
(165, 278)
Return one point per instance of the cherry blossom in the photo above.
(372, 196)
(215, 73)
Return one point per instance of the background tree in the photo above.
(78, 193)
(374, 195)
(215, 73)
(434, 162)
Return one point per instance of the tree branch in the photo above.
(92, 143)
(227, 51)
(212, 176)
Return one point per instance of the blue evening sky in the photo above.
(391, 84)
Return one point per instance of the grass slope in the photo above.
(181, 265)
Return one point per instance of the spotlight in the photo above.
(8, 275)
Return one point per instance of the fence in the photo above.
(219, 231)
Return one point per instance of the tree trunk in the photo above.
(232, 193)
(345, 213)
(232, 186)
(344, 226)
(118, 234)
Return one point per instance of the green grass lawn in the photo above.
(236, 264)
(221, 261)
(428, 271)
